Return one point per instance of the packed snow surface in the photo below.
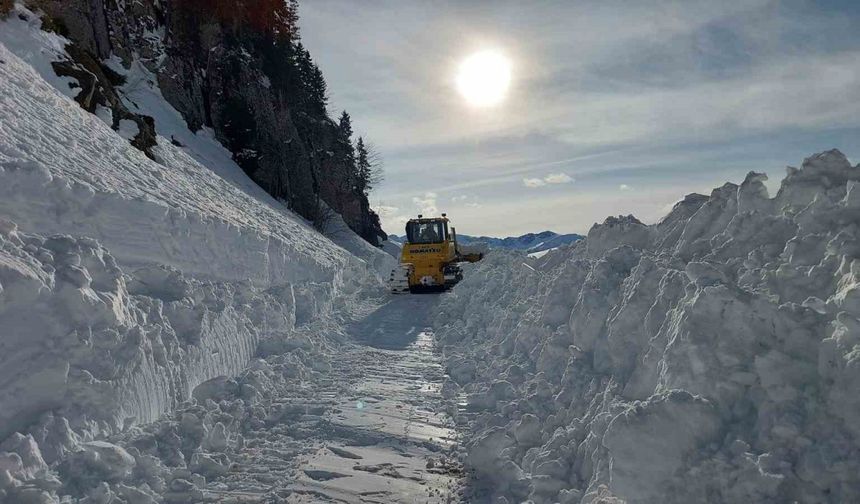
(712, 357)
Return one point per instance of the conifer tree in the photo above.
(318, 90)
(345, 152)
(303, 68)
(363, 167)
(345, 126)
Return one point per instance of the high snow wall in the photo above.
(712, 357)
(128, 280)
(109, 348)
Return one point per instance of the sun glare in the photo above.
(484, 77)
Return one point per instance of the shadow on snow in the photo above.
(396, 324)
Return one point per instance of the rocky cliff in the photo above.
(234, 67)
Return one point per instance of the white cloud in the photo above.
(390, 217)
(552, 178)
(624, 187)
(467, 200)
(558, 178)
(386, 210)
(665, 209)
(426, 204)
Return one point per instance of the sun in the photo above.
(484, 77)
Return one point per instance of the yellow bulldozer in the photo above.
(430, 257)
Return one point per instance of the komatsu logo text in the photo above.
(425, 250)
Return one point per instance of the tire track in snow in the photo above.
(384, 435)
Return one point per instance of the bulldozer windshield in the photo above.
(425, 232)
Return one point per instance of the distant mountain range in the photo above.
(530, 242)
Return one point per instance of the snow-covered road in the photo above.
(375, 430)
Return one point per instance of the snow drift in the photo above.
(712, 357)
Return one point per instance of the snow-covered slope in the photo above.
(56, 154)
(712, 357)
(126, 281)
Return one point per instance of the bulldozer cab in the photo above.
(426, 231)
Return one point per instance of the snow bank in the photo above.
(115, 347)
(712, 357)
(202, 451)
(125, 281)
(393, 248)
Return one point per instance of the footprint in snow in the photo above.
(340, 452)
(321, 475)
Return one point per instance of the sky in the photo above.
(614, 107)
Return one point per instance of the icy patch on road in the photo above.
(712, 357)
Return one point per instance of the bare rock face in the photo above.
(270, 151)
(97, 89)
(83, 21)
